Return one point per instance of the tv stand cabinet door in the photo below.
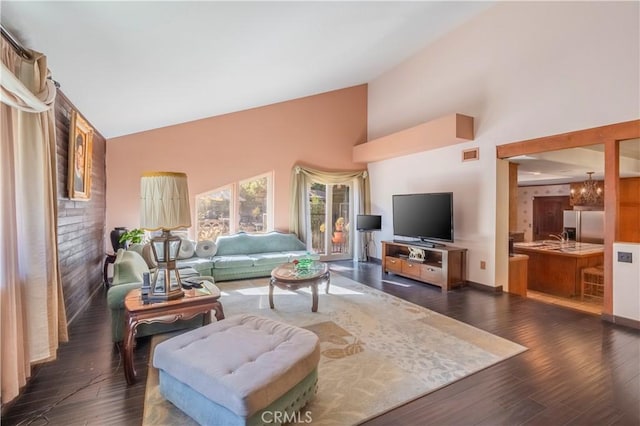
(411, 269)
(391, 260)
(433, 275)
(393, 264)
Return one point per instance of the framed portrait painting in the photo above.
(80, 151)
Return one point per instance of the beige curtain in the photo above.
(303, 176)
(31, 302)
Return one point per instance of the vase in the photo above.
(116, 233)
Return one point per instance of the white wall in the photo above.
(523, 70)
(626, 276)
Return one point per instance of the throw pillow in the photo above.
(128, 267)
(187, 249)
(146, 252)
(206, 248)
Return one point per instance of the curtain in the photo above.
(33, 318)
(303, 176)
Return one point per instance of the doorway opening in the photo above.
(620, 144)
(548, 225)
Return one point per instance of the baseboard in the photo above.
(627, 322)
(484, 287)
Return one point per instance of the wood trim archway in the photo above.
(609, 136)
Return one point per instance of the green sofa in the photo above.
(128, 270)
(241, 256)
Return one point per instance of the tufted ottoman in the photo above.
(239, 371)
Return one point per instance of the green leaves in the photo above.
(134, 236)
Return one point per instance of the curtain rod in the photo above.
(21, 50)
(15, 43)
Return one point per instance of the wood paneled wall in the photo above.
(81, 224)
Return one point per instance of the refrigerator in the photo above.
(585, 226)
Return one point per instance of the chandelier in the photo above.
(589, 194)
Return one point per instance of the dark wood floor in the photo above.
(578, 370)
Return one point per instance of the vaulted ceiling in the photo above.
(135, 66)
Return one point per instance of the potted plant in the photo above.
(134, 236)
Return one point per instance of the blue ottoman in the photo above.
(244, 370)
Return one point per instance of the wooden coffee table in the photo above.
(287, 278)
(194, 302)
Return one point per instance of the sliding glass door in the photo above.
(330, 211)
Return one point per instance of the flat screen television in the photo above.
(424, 216)
(368, 222)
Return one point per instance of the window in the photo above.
(213, 213)
(253, 205)
(249, 202)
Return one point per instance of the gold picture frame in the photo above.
(80, 152)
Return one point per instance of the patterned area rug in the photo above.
(378, 351)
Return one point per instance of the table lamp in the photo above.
(164, 205)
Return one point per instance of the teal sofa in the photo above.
(241, 256)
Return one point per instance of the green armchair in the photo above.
(128, 270)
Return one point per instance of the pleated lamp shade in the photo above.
(164, 201)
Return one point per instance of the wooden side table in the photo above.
(194, 302)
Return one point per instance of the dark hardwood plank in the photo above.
(578, 370)
(575, 362)
(86, 384)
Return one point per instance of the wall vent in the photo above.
(471, 154)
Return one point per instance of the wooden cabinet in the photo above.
(548, 216)
(394, 264)
(518, 274)
(443, 266)
(411, 268)
(629, 213)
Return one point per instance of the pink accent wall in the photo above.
(319, 131)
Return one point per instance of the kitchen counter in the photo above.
(556, 267)
(570, 248)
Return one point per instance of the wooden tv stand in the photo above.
(444, 266)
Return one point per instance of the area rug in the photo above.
(377, 351)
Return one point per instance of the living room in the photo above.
(522, 70)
